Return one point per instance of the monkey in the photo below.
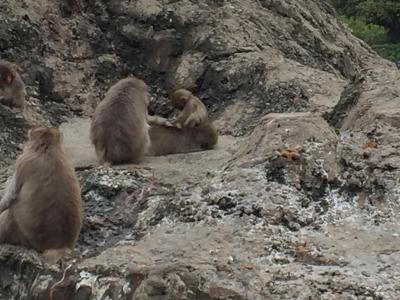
(169, 140)
(12, 88)
(192, 110)
(42, 206)
(119, 130)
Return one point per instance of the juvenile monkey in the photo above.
(12, 88)
(42, 205)
(119, 129)
(169, 140)
(192, 111)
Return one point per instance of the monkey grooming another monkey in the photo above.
(119, 129)
(42, 205)
(169, 140)
(12, 88)
(192, 110)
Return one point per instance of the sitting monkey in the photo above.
(192, 111)
(119, 129)
(42, 206)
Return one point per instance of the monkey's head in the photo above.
(7, 73)
(45, 136)
(137, 83)
(180, 97)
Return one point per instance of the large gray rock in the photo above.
(298, 201)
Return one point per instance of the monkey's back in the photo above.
(119, 130)
(48, 211)
(194, 113)
(169, 140)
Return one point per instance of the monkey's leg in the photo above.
(10, 194)
(7, 233)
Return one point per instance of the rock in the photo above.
(288, 206)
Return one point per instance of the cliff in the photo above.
(298, 201)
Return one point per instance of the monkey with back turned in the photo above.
(119, 128)
(42, 205)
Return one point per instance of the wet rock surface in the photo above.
(298, 201)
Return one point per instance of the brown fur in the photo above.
(119, 129)
(169, 140)
(192, 111)
(45, 211)
(152, 120)
(12, 88)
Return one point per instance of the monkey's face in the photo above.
(6, 79)
(7, 74)
(179, 102)
(179, 98)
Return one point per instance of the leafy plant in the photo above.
(370, 33)
(389, 51)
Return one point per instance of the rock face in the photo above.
(298, 201)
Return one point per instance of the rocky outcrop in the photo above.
(298, 201)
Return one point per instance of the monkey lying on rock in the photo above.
(166, 139)
(42, 205)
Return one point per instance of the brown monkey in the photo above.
(192, 111)
(12, 88)
(119, 129)
(42, 205)
(169, 140)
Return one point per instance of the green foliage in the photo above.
(388, 51)
(377, 22)
(370, 33)
(381, 12)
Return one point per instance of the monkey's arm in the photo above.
(10, 193)
(158, 121)
(180, 119)
(186, 112)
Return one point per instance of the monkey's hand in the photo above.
(167, 123)
(177, 124)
